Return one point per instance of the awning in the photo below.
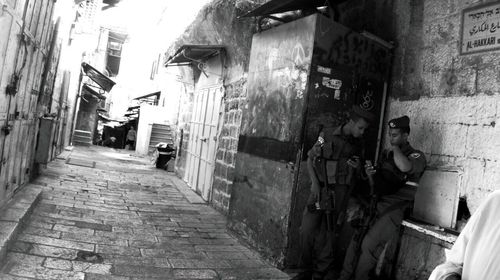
(104, 82)
(187, 54)
(109, 4)
(150, 98)
(103, 117)
(88, 90)
(282, 6)
(133, 108)
(157, 94)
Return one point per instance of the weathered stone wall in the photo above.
(235, 97)
(218, 24)
(452, 100)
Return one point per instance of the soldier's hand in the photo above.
(370, 170)
(353, 162)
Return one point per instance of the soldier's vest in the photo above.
(331, 166)
(407, 184)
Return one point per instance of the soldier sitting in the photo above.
(395, 181)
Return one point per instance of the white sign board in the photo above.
(436, 200)
(480, 28)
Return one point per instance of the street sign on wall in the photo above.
(480, 28)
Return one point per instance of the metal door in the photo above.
(203, 140)
(270, 136)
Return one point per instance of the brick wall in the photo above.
(235, 97)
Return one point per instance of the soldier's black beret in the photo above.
(402, 122)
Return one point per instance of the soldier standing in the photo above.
(331, 164)
(395, 182)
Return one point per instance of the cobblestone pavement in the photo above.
(134, 217)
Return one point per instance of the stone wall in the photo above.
(235, 96)
(452, 99)
(218, 24)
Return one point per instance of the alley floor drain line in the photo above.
(88, 256)
(81, 162)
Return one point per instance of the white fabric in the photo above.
(476, 253)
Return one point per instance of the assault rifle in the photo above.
(369, 216)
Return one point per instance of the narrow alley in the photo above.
(248, 139)
(106, 214)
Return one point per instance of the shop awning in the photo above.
(157, 94)
(88, 90)
(187, 54)
(150, 98)
(104, 82)
(133, 108)
(282, 6)
(105, 118)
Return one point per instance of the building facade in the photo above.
(449, 93)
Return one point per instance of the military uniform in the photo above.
(330, 164)
(396, 191)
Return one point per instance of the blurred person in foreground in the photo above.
(476, 253)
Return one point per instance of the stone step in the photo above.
(82, 139)
(15, 214)
(82, 133)
(79, 143)
(81, 136)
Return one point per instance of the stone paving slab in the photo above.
(144, 223)
(14, 215)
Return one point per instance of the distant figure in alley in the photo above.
(131, 136)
